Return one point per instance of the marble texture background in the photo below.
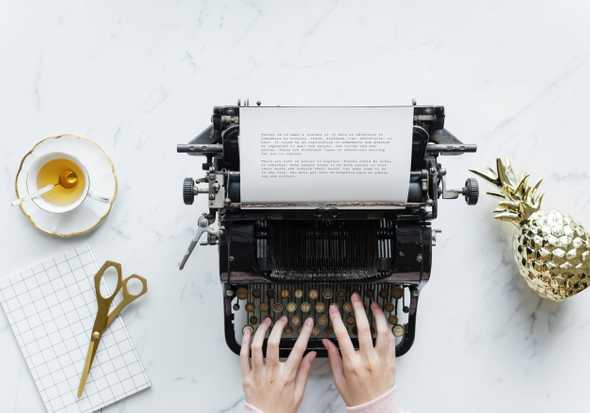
(139, 77)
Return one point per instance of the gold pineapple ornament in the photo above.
(551, 249)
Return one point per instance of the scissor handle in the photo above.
(128, 296)
(102, 300)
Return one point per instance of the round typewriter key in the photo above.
(288, 331)
(392, 319)
(320, 307)
(263, 307)
(291, 307)
(295, 321)
(398, 330)
(383, 293)
(341, 294)
(350, 321)
(249, 307)
(256, 293)
(389, 307)
(270, 293)
(397, 292)
(253, 320)
(242, 293)
(298, 293)
(323, 320)
(313, 294)
(315, 331)
(236, 307)
(327, 294)
(347, 307)
(277, 307)
(285, 294)
(305, 307)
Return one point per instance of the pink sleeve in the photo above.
(248, 408)
(385, 403)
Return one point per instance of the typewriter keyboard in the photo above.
(254, 302)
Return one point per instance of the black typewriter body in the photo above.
(296, 262)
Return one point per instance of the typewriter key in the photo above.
(305, 307)
(398, 330)
(347, 307)
(253, 320)
(256, 293)
(327, 294)
(270, 293)
(291, 307)
(350, 321)
(298, 293)
(288, 331)
(323, 320)
(389, 307)
(313, 294)
(249, 307)
(392, 319)
(295, 321)
(285, 294)
(315, 331)
(320, 307)
(397, 292)
(277, 307)
(341, 294)
(264, 307)
(242, 293)
(236, 307)
(383, 293)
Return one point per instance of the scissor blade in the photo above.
(87, 364)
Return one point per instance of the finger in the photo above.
(303, 373)
(300, 345)
(342, 336)
(362, 325)
(385, 339)
(257, 356)
(335, 362)
(245, 351)
(274, 339)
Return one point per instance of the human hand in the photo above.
(363, 375)
(274, 386)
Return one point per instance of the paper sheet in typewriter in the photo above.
(342, 156)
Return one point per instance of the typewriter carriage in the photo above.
(364, 250)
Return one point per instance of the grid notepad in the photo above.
(51, 308)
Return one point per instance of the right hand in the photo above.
(363, 375)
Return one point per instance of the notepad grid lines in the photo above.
(51, 309)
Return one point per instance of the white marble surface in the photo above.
(141, 76)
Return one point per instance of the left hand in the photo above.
(271, 385)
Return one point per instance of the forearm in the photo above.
(386, 403)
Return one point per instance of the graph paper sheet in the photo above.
(51, 308)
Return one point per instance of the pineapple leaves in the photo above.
(518, 198)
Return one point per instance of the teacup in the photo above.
(79, 194)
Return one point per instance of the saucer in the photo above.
(91, 212)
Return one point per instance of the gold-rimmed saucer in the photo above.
(91, 213)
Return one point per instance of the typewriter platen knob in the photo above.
(471, 191)
(188, 191)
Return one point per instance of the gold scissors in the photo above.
(103, 318)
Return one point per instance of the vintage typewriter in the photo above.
(275, 262)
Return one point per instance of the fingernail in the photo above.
(247, 331)
(374, 305)
(283, 319)
(333, 309)
(309, 322)
(267, 320)
(356, 296)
